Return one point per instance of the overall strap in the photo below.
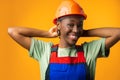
(79, 48)
(54, 48)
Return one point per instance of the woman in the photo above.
(67, 61)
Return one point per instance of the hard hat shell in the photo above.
(69, 7)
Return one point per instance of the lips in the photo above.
(73, 37)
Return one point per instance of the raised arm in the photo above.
(112, 35)
(23, 35)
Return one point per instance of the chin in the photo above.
(72, 43)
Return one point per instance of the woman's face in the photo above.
(71, 28)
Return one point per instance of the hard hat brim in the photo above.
(55, 20)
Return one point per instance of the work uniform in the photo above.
(62, 67)
(75, 63)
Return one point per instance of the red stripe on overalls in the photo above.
(68, 60)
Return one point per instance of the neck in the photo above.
(63, 44)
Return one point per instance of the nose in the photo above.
(75, 28)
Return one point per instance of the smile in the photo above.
(73, 37)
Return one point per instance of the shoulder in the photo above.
(95, 48)
(94, 42)
(38, 42)
(40, 47)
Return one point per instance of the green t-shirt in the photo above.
(41, 51)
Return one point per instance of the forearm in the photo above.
(23, 35)
(102, 32)
(29, 32)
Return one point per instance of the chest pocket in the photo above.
(67, 68)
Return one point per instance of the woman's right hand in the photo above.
(53, 31)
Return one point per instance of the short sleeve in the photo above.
(39, 48)
(95, 49)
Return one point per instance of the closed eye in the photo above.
(71, 25)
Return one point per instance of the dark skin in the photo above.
(70, 28)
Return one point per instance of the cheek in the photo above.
(64, 30)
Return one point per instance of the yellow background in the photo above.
(15, 63)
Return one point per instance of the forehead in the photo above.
(72, 18)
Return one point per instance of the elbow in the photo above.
(9, 30)
(12, 31)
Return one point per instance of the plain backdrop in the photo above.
(15, 63)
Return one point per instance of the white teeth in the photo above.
(73, 37)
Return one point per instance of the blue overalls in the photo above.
(67, 68)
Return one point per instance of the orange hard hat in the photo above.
(69, 7)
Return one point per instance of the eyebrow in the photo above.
(74, 21)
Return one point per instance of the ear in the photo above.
(58, 28)
(58, 25)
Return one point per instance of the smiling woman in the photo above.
(71, 28)
(67, 60)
